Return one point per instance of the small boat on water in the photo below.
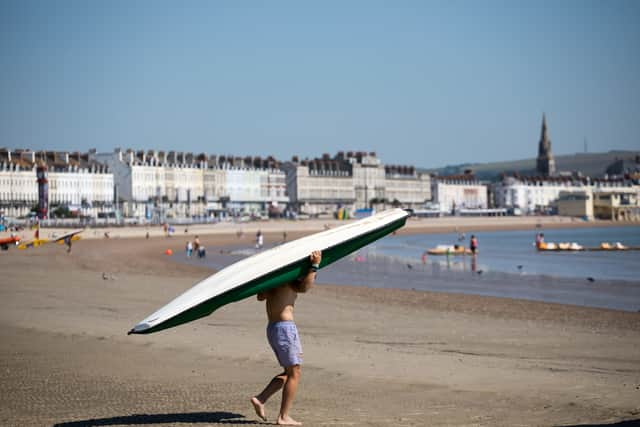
(617, 246)
(563, 246)
(604, 246)
(450, 250)
(573, 246)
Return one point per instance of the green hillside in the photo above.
(589, 164)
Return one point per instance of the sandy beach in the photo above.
(373, 357)
(292, 228)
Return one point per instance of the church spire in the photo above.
(546, 165)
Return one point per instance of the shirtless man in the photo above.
(283, 337)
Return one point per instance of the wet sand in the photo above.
(373, 357)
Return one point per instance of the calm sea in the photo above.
(507, 265)
(514, 252)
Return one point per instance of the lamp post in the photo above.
(43, 191)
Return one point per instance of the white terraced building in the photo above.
(406, 186)
(85, 187)
(454, 193)
(165, 185)
(534, 194)
(353, 180)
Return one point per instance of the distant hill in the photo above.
(589, 164)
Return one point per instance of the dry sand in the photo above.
(373, 357)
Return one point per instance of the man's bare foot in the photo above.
(287, 421)
(259, 408)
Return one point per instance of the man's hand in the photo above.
(315, 257)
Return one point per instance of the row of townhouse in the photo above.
(159, 184)
(177, 184)
(74, 181)
(182, 185)
(353, 180)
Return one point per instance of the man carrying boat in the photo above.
(283, 338)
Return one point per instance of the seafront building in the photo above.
(455, 193)
(158, 185)
(352, 180)
(534, 194)
(165, 185)
(81, 185)
(540, 194)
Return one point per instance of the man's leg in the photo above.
(289, 392)
(274, 385)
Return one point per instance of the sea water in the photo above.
(507, 265)
(515, 252)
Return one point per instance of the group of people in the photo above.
(473, 241)
(168, 229)
(196, 247)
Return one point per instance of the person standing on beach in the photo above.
(68, 241)
(196, 244)
(283, 338)
(259, 239)
(473, 244)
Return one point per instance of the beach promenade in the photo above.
(372, 357)
(277, 227)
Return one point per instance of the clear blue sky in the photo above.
(421, 83)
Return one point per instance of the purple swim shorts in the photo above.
(284, 340)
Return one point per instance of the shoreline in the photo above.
(304, 227)
(378, 272)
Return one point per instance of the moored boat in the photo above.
(449, 250)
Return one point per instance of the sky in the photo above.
(422, 83)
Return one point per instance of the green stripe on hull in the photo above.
(276, 278)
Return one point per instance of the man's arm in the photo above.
(307, 281)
